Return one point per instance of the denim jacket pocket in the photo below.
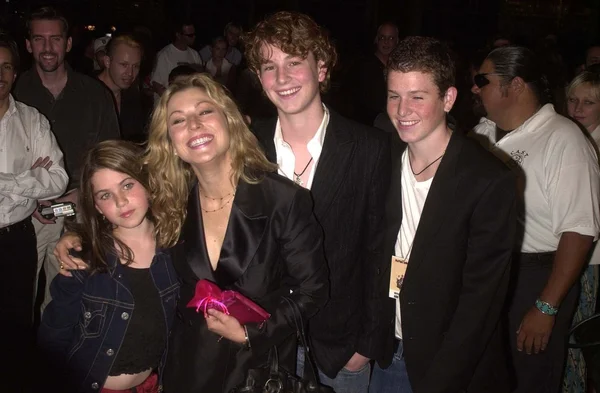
(94, 317)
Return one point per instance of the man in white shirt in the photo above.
(31, 168)
(450, 228)
(177, 53)
(80, 109)
(559, 211)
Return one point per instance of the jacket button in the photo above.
(125, 316)
(119, 275)
(110, 352)
(87, 315)
(95, 386)
(378, 271)
(411, 338)
(410, 303)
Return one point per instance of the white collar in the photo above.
(316, 143)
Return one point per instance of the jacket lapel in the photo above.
(436, 208)
(194, 243)
(338, 150)
(245, 231)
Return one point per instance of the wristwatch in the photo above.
(546, 308)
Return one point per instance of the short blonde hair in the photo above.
(592, 78)
(170, 178)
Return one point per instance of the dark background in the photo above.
(352, 23)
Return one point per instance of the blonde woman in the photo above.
(583, 105)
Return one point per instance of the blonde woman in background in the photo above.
(583, 105)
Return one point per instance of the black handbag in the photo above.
(586, 336)
(271, 378)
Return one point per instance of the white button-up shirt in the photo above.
(24, 137)
(285, 155)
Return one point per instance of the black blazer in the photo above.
(348, 190)
(272, 247)
(457, 277)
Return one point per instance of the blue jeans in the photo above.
(345, 381)
(393, 379)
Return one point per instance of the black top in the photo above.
(145, 339)
(81, 116)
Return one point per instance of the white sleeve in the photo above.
(38, 183)
(573, 190)
(160, 74)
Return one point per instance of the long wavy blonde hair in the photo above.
(170, 178)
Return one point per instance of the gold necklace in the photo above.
(232, 193)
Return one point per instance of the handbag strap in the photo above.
(574, 328)
(300, 329)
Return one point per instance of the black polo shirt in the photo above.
(81, 116)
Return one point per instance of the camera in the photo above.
(65, 209)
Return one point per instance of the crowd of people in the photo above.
(428, 242)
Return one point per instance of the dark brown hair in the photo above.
(95, 231)
(426, 55)
(48, 13)
(295, 34)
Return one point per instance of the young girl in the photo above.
(106, 328)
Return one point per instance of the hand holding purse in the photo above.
(271, 378)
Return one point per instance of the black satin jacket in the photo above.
(272, 247)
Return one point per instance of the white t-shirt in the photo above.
(170, 57)
(414, 195)
(558, 177)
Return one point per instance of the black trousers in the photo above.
(18, 266)
(541, 373)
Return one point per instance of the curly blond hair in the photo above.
(170, 178)
(295, 34)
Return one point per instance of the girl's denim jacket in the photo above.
(83, 327)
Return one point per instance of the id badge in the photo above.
(398, 270)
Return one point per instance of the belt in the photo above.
(543, 259)
(21, 225)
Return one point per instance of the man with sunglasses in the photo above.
(179, 52)
(559, 213)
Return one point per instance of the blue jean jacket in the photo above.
(83, 327)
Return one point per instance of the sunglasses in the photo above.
(480, 80)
